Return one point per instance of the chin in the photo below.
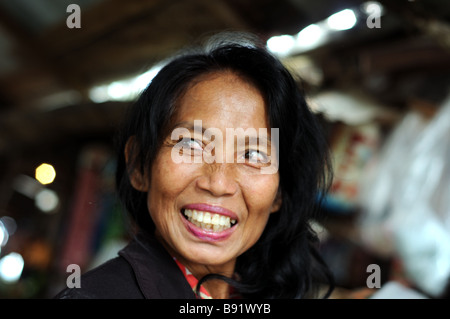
(209, 257)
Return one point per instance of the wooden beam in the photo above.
(92, 57)
(224, 12)
(117, 39)
(33, 60)
(27, 130)
(416, 15)
(411, 54)
(99, 21)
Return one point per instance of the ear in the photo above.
(277, 202)
(137, 178)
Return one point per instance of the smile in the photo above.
(209, 221)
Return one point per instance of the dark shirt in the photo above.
(143, 269)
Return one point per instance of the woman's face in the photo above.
(211, 211)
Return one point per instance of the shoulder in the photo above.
(143, 269)
(112, 280)
(156, 272)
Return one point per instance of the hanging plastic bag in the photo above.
(406, 200)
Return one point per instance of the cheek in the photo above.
(167, 176)
(168, 181)
(261, 191)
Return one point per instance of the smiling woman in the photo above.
(209, 228)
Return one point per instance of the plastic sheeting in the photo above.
(405, 198)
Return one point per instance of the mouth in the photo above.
(209, 221)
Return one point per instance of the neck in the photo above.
(217, 288)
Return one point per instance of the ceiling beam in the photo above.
(36, 68)
(135, 35)
(99, 21)
(116, 39)
(415, 14)
(419, 53)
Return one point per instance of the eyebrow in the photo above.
(188, 125)
(191, 127)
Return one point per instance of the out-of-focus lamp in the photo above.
(45, 174)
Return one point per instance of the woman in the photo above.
(212, 225)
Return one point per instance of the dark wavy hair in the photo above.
(285, 262)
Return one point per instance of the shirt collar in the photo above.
(157, 274)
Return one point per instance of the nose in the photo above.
(218, 180)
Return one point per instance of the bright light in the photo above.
(7, 228)
(118, 91)
(143, 80)
(4, 235)
(281, 44)
(99, 94)
(310, 36)
(45, 174)
(11, 267)
(123, 90)
(47, 200)
(372, 7)
(343, 20)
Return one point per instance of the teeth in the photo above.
(208, 221)
(207, 218)
(222, 220)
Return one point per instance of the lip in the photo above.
(207, 235)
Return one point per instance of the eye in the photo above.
(190, 146)
(256, 157)
(190, 143)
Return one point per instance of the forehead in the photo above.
(223, 98)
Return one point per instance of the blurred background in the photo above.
(376, 73)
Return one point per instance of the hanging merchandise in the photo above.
(85, 209)
(406, 200)
(379, 187)
(352, 148)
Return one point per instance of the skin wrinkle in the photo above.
(260, 142)
(220, 100)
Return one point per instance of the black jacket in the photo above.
(143, 269)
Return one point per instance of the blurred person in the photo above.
(210, 228)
